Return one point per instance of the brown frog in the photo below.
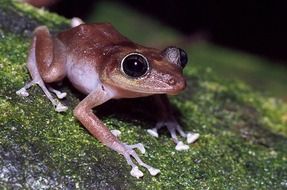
(104, 65)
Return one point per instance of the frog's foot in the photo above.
(173, 128)
(129, 153)
(59, 107)
(23, 91)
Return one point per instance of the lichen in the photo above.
(242, 144)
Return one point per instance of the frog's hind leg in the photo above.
(44, 68)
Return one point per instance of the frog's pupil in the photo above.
(183, 57)
(135, 65)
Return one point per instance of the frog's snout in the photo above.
(177, 85)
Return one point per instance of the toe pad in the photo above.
(192, 137)
(153, 132)
(181, 146)
(22, 92)
(136, 172)
(153, 171)
(61, 108)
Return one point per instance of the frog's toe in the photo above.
(153, 132)
(61, 95)
(139, 146)
(129, 153)
(136, 172)
(22, 92)
(175, 129)
(191, 137)
(61, 108)
(181, 146)
(153, 171)
(58, 93)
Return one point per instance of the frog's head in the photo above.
(148, 71)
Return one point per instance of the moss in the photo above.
(41, 15)
(22, 19)
(242, 145)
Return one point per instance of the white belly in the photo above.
(83, 76)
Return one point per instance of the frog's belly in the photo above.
(83, 77)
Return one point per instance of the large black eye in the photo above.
(183, 57)
(135, 65)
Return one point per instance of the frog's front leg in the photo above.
(45, 63)
(166, 119)
(83, 112)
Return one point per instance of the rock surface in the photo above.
(243, 133)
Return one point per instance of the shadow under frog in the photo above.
(102, 64)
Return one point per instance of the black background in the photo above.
(256, 27)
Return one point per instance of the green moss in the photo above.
(242, 145)
(41, 15)
(22, 19)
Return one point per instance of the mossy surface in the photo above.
(22, 19)
(242, 145)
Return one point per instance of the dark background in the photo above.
(255, 27)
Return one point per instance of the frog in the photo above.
(103, 64)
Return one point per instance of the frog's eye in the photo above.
(134, 65)
(176, 56)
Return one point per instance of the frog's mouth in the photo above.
(148, 87)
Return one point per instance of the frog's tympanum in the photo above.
(104, 65)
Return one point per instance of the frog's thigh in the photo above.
(50, 56)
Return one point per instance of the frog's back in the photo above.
(91, 35)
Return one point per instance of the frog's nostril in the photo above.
(171, 81)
